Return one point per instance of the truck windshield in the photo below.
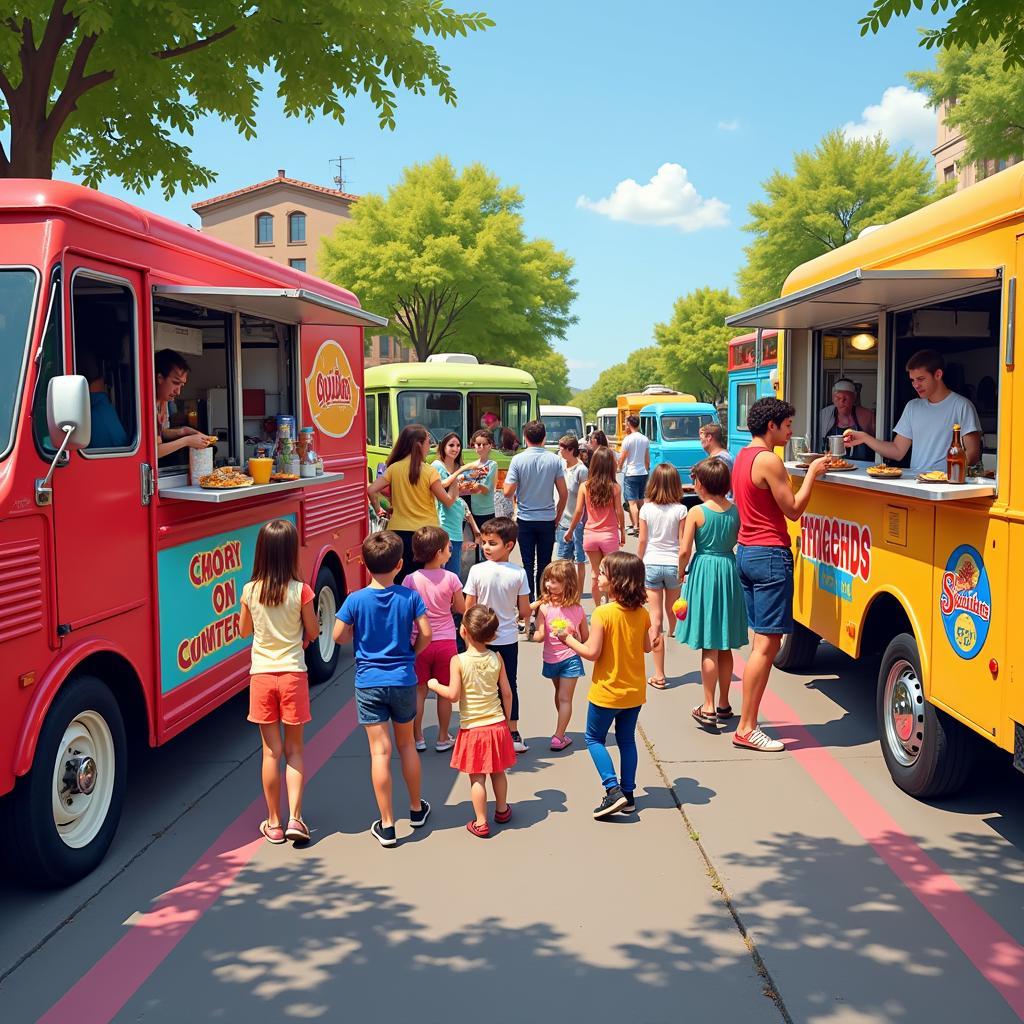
(559, 426)
(684, 428)
(17, 294)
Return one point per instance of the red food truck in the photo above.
(120, 579)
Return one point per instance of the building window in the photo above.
(385, 346)
(296, 228)
(264, 229)
(949, 173)
(297, 264)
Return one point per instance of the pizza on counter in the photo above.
(225, 478)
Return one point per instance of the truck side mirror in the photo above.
(69, 412)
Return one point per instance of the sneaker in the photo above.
(421, 745)
(446, 744)
(517, 743)
(630, 805)
(757, 740)
(384, 836)
(614, 800)
(419, 818)
(521, 626)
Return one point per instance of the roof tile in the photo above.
(278, 180)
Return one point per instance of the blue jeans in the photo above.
(536, 542)
(599, 721)
(570, 545)
(454, 564)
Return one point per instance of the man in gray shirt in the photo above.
(927, 421)
(534, 476)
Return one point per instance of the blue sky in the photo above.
(567, 99)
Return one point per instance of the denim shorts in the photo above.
(377, 704)
(571, 547)
(662, 577)
(634, 487)
(766, 576)
(570, 668)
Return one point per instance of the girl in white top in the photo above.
(277, 611)
(661, 531)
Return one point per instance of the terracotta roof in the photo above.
(278, 180)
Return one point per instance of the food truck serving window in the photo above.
(17, 298)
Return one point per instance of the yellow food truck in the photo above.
(632, 402)
(916, 574)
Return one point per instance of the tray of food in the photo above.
(840, 466)
(935, 477)
(281, 478)
(885, 472)
(808, 457)
(225, 478)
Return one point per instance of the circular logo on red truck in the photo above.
(331, 390)
(966, 602)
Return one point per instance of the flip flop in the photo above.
(503, 817)
(272, 833)
(725, 712)
(658, 682)
(702, 718)
(480, 831)
(297, 831)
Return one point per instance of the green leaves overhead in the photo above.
(110, 86)
(551, 372)
(446, 255)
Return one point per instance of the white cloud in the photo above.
(903, 117)
(669, 199)
(728, 126)
(580, 364)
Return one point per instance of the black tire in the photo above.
(322, 654)
(928, 754)
(36, 850)
(798, 649)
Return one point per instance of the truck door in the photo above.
(100, 499)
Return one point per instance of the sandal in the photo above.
(272, 833)
(480, 831)
(725, 712)
(658, 682)
(505, 816)
(297, 831)
(701, 717)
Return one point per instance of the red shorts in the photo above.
(279, 697)
(435, 662)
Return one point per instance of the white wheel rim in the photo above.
(326, 611)
(77, 814)
(903, 704)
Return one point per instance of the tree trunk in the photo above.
(31, 156)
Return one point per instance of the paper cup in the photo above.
(260, 470)
(200, 463)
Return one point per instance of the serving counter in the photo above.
(219, 497)
(906, 486)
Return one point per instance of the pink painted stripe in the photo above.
(994, 951)
(99, 995)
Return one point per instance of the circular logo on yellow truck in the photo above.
(965, 601)
(331, 390)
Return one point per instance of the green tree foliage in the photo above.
(989, 107)
(972, 24)
(445, 254)
(111, 88)
(835, 190)
(696, 341)
(644, 366)
(551, 372)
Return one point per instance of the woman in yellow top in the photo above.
(620, 636)
(414, 487)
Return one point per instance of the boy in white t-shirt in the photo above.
(504, 588)
(635, 465)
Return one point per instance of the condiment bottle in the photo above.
(956, 459)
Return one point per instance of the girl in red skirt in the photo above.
(484, 744)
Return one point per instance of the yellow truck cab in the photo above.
(915, 574)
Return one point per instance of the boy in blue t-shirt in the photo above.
(379, 620)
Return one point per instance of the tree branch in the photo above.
(74, 88)
(5, 163)
(197, 44)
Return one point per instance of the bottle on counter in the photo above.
(956, 458)
(306, 452)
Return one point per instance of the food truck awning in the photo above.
(862, 295)
(286, 305)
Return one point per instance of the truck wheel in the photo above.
(798, 649)
(66, 810)
(928, 754)
(322, 653)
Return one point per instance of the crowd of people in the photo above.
(417, 627)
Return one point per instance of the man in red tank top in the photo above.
(765, 500)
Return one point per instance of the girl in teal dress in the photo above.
(716, 617)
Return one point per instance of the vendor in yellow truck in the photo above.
(926, 426)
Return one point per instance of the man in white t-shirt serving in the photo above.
(927, 421)
(635, 465)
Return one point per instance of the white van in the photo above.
(560, 420)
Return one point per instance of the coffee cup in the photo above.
(260, 470)
(836, 445)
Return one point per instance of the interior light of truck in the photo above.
(863, 342)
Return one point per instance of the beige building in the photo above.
(284, 219)
(949, 152)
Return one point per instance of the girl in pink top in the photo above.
(441, 591)
(561, 609)
(600, 497)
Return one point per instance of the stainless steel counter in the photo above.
(241, 493)
(906, 486)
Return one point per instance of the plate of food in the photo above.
(840, 465)
(885, 472)
(935, 477)
(281, 478)
(808, 457)
(225, 478)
